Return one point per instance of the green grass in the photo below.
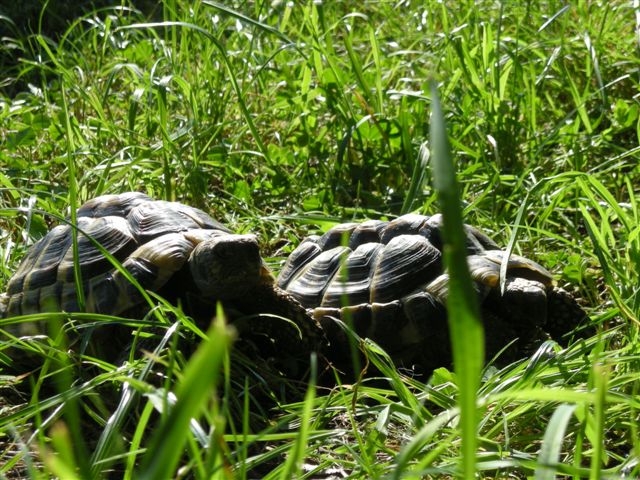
(283, 118)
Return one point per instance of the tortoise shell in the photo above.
(151, 239)
(387, 280)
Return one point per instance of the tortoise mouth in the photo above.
(233, 286)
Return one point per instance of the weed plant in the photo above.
(284, 118)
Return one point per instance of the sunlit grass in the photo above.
(283, 118)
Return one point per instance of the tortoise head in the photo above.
(228, 266)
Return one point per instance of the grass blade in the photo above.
(464, 320)
(598, 457)
(417, 179)
(552, 442)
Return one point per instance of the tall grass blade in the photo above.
(464, 319)
(72, 412)
(600, 374)
(417, 179)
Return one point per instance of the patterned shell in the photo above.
(152, 239)
(378, 262)
(387, 279)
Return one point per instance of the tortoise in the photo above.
(387, 279)
(169, 248)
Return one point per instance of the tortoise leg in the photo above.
(566, 316)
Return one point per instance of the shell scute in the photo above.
(168, 252)
(14, 304)
(151, 219)
(112, 233)
(351, 283)
(337, 236)
(386, 322)
(366, 232)
(419, 308)
(49, 298)
(409, 224)
(483, 270)
(310, 284)
(521, 266)
(68, 298)
(301, 256)
(112, 205)
(103, 294)
(406, 262)
(203, 220)
(476, 241)
(40, 266)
